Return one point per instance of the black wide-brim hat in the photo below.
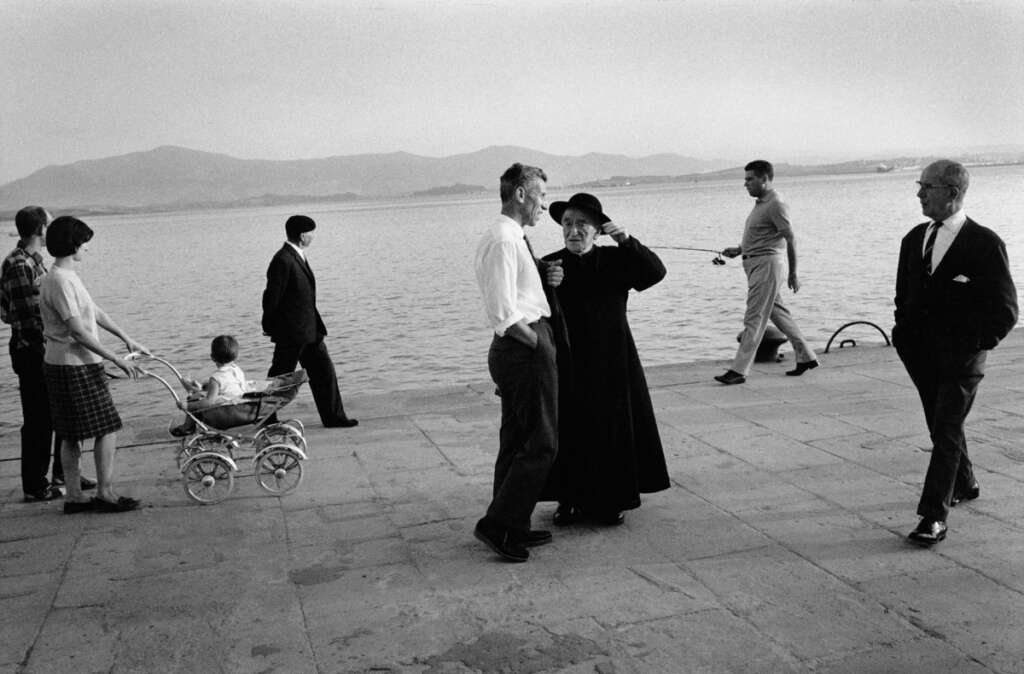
(582, 201)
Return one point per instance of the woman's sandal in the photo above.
(73, 507)
(122, 505)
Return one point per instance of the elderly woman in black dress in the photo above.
(609, 447)
(80, 402)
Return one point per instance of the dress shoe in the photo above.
(801, 368)
(969, 494)
(342, 423)
(501, 540)
(535, 537)
(928, 532)
(48, 494)
(610, 518)
(731, 377)
(565, 515)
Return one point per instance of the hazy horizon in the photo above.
(793, 81)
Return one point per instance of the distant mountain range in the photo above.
(176, 177)
(171, 177)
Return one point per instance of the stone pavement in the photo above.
(780, 547)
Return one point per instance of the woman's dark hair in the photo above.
(65, 235)
(223, 349)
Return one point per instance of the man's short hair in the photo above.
(223, 349)
(297, 224)
(761, 168)
(953, 174)
(65, 235)
(516, 176)
(30, 221)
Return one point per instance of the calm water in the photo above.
(397, 291)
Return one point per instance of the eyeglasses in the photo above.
(929, 186)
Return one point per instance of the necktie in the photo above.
(561, 330)
(529, 247)
(928, 246)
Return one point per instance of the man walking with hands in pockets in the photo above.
(955, 300)
(521, 361)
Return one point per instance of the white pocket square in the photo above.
(960, 278)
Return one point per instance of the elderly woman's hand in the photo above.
(616, 231)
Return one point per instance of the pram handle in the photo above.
(139, 355)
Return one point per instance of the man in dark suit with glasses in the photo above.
(955, 300)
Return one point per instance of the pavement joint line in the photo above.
(661, 585)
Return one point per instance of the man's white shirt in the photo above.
(508, 278)
(944, 239)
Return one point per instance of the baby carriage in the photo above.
(208, 455)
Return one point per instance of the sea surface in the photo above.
(397, 292)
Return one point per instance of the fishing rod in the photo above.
(717, 261)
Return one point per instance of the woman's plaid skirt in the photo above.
(80, 402)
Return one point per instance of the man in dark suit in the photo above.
(955, 300)
(291, 319)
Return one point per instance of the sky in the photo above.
(788, 80)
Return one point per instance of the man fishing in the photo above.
(766, 235)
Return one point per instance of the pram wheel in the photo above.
(208, 477)
(283, 433)
(206, 442)
(278, 468)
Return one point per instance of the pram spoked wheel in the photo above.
(208, 477)
(220, 443)
(282, 433)
(278, 468)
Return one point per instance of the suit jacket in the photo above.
(290, 315)
(970, 298)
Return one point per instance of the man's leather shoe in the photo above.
(969, 494)
(48, 494)
(730, 377)
(342, 423)
(501, 540)
(801, 368)
(928, 532)
(611, 518)
(535, 537)
(565, 515)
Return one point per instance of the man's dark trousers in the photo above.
(37, 440)
(323, 378)
(946, 375)
(527, 380)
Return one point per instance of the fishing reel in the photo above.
(719, 261)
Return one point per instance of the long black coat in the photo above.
(609, 448)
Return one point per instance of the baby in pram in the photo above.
(226, 384)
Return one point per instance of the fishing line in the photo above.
(717, 261)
